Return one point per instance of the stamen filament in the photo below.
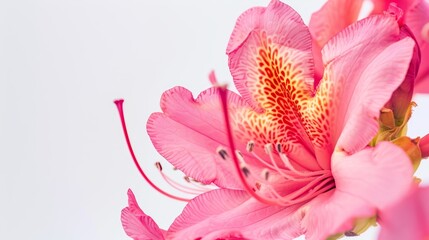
(268, 151)
(291, 175)
(250, 146)
(287, 164)
(292, 198)
(119, 106)
(202, 187)
(262, 161)
(179, 186)
(222, 153)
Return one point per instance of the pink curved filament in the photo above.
(119, 106)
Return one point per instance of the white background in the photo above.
(64, 166)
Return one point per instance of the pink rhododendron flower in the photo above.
(335, 15)
(287, 159)
(409, 219)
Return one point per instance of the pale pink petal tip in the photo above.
(334, 16)
(137, 224)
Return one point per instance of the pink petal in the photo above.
(189, 132)
(417, 18)
(274, 34)
(334, 16)
(401, 97)
(409, 219)
(271, 62)
(318, 64)
(364, 64)
(367, 181)
(224, 212)
(137, 224)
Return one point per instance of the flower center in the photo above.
(277, 182)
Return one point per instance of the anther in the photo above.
(279, 148)
(187, 178)
(222, 153)
(246, 171)
(250, 146)
(158, 166)
(265, 174)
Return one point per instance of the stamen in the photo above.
(158, 166)
(265, 174)
(246, 171)
(297, 196)
(268, 148)
(180, 187)
(194, 180)
(119, 106)
(279, 148)
(324, 185)
(239, 156)
(269, 151)
(222, 153)
(262, 160)
(250, 146)
(314, 186)
(288, 165)
(273, 166)
(187, 179)
(202, 187)
(292, 173)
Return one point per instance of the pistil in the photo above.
(313, 182)
(119, 106)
